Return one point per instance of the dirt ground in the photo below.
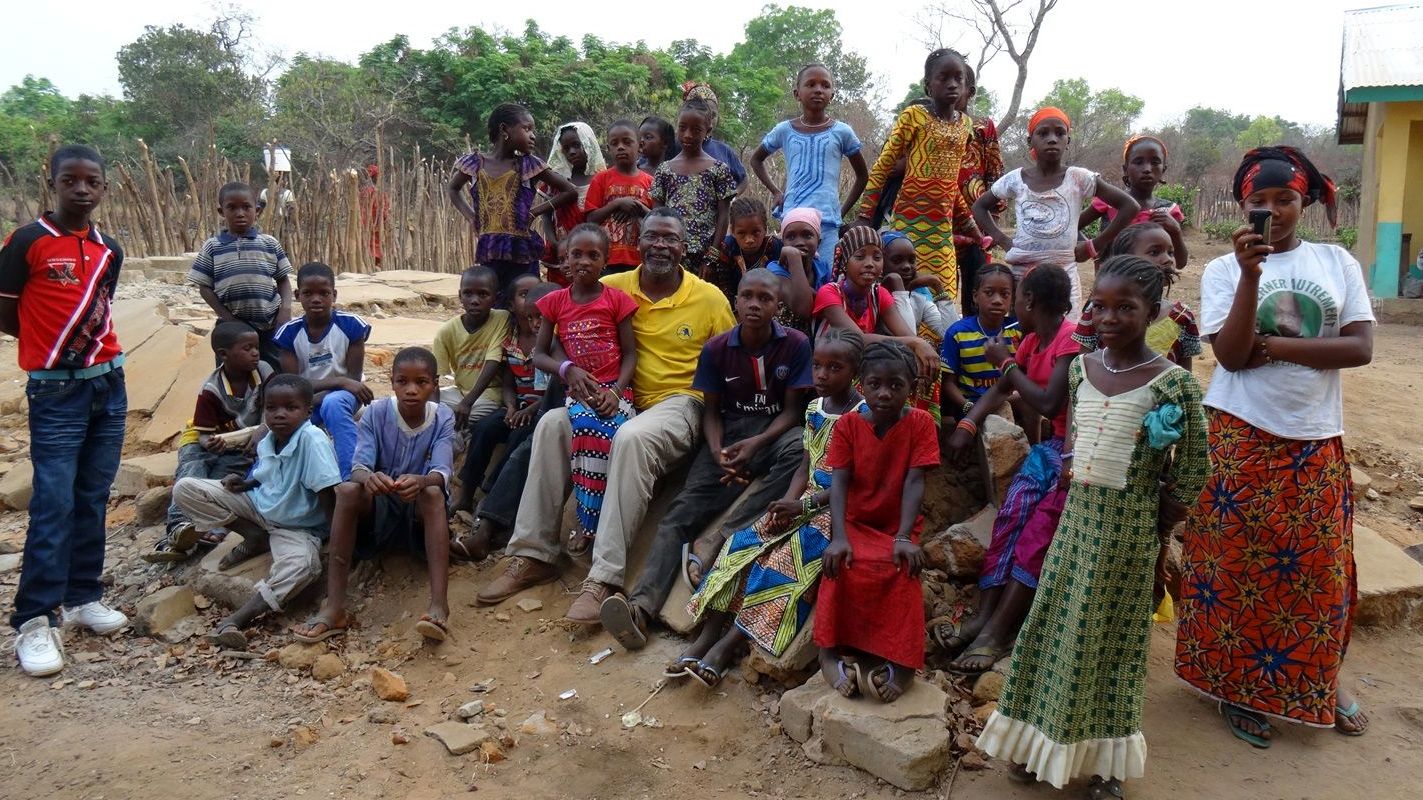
(131, 717)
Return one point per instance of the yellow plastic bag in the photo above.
(1166, 612)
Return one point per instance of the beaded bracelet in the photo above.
(967, 407)
(1007, 366)
(808, 504)
(967, 425)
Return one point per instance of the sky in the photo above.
(1172, 55)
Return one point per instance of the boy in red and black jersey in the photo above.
(57, 281)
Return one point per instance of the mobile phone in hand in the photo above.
(1260, 222)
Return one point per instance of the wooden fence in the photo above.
(336, 216)
(1216, 206)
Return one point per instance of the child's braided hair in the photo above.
(894, 353)
(850, 337)
(1135, 269)
(744, 207)
(942, 52)
(1127, 239)
(505, 114)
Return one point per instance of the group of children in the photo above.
(287, 445)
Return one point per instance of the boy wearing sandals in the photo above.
(229, 400)
(755, 379)
(284, 505)
(395, 499)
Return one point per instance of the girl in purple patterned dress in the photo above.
(501, 203)
(696, 186)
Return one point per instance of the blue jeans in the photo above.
(76, 440)
(196, 462)
(336, 414)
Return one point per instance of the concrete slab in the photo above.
(179, 264)
(1390, 582)
(139, 474)
(136, 319)
(172, 414)
(363, 294)
(233, 587)
(403, 331)
(149, 370)
(405, 277)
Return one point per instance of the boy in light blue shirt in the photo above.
(285, 504)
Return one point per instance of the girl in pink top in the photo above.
(593, 323)
(1143, 169)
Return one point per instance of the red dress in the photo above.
(871, 606)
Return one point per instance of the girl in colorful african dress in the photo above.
(1173, 333)
(814, 144)
(500, 204)
(593, 323)
(576, 156)
(966, 373)
(932, 139)
(1275, 523)
(763, 585)
(1047, 198)
(1143, 168)
(981, 166)
(747, 245)
(869, 622)
(1027, 520)
(696, 185)
(857, 300)
(1072, 705)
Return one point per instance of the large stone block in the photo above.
(1006, 446)
(904, 743)
(235, 586)
(790, 667)
(17, 486)
(138, 475)
(161, 612)
(1390, 582)
(959, 549)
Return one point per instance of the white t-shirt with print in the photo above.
(1047, 221)
(1311, 291)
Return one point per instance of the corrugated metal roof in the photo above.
(1383, 47)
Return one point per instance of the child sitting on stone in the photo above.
(229, 400)
(395, 499)
(285, 504)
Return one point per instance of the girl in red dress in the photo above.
(869, 621)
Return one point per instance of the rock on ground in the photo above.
(151, 507)
(299, 655)
(905, 743)
(538, 725)
(390, 686)
(160, 612)
(793, 665)
(138, 475)
(959, 550)
(327, 666)
(459, 738)
(17, 486)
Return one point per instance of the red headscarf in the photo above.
(1047, 113)
(1284, 168)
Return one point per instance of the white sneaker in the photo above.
(95, 616)
(40, 649)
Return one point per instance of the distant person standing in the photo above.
(57, 280)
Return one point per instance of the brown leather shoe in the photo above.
(587, 607)
(520, 574)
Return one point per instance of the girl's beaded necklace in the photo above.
(1116, 371)
(813, 125)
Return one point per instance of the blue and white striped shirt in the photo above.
(243, 271)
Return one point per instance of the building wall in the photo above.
(1398, 162)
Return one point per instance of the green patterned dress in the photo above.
(1072, 705)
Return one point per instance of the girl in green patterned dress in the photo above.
(1072, 705)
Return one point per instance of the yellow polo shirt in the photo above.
(670, 334)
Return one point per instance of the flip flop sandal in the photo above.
(1019, 773)
(1102, 789)
(329, 630)
(688, 559)
(212, 538)
(869, 688)
(701, 669)
(1233, 713)
(1350, 713)
(850, 674)
(954, 642)
(229, 637)
(619, 617)
(461, 551)
(995, 653)
(681, 668)
(175, 545)
(433, 629)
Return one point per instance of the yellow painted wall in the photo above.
(1413, 191)
(1398, 163)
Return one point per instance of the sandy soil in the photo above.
(131, 717)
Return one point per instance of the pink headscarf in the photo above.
(809, 216)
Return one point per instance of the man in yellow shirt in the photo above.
(677, 313)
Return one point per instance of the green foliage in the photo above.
(1348, 237)
(1101, 121)
(179, 82)
(1262, 131)
(1220, 231)
(1181, 196)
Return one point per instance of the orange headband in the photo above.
(1135, 140)
(1047, 113)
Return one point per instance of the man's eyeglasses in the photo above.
(660, 238)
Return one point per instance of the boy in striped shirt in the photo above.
(244, 274)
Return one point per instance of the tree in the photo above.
(1261, 132)
(180, 81)
(1006, 26)
(336, 109)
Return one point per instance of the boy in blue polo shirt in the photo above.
(328, 348)
(285, 505)
(242, 273)
(755, 379)
(57, 280)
